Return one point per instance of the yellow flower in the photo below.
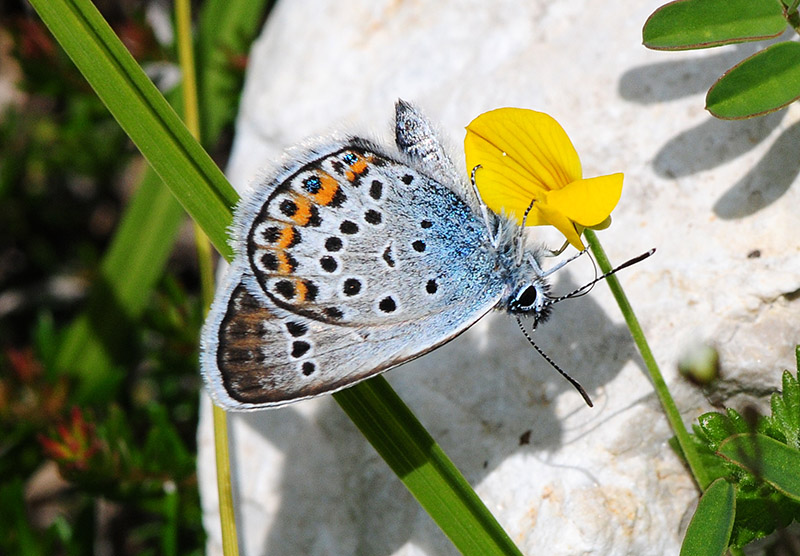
(526, 156)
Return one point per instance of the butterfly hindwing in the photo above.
(262, 356)
(256, 355)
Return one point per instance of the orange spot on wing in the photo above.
(300, 291)
(357, 168)
(329, 188)
(303, 213)
(286, 238)
(283, 263)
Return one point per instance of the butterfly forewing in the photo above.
(357, 238)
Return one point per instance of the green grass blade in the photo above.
(197, 183)
(710, 529)
(424, 468)
(764, 82)
(689, 24)
(143, 113)
(765, 457)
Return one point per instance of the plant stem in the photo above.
(183, 21)
(227, 516)
(664, 396)
(169, 537)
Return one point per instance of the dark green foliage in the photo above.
(760, 508)
(125, 456)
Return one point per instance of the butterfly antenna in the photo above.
(590, 286)
(571, 380)
(582, 290)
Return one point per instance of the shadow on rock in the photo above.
(767, 181)
(712, 143)
(478, 396)
(672, 80)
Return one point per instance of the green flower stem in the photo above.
(671, 410)
(230, 543)
(183, 23)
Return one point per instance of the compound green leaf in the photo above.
(690, 24)
(762, 83)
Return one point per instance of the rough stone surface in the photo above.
(708, 194)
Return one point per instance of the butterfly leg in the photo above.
(487, 219)
(557, 252)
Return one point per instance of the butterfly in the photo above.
(353, 258)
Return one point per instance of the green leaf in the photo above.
(760, 507)
(786, 411)
(164, 451)
(46, 340)
(774, 462)
(710, 529)
(759, 514)
(690, 24)
(424, 468)
(20, 536)
(764, 82)
(717, 427)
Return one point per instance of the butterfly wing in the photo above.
(355, 237)
(257, 356)
(351, 261)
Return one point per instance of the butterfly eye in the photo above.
(525, 299)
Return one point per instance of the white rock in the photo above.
(705, 193)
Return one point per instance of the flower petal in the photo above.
(523, 154)
(561, 223)
(587, 202)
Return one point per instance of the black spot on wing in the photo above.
(387, 305)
